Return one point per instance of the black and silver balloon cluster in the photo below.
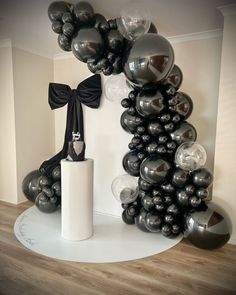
(92, 38)
(43, 190)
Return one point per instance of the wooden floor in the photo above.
(183, 269)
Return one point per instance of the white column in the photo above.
(224, 190)
(77, 199)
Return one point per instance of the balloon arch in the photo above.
(166, 186)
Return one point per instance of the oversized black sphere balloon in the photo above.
(183, 105)
(202, 177)
(45, 204)
(208, 229)
(185, 132)
(57, 9)
(154, 128)
(150, 60)
(88, 44)
(174, 78)
(153, 222)
(131, 163)
(56, 173)
(84, 13)
(130, 123)
(30, 185)
(155, 170)
(180, 177)
(115, 41)
(140, 220)
(149, 103)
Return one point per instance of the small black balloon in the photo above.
(56, 173)
(184, 106)
(195, 201)
(147, 202)
(131, 163)
(176, 229)
(115, 41)
(48, 191)
(44, 181)
(156, 192)
(202, 193)
(184, 133)
(154, 128)
(57, 9)
(157, 200)
(57, 27)
(128, 219)
(84, 13)
(202, 177)
(169, 218)
(45, 204)
(56, 186)
(190, 189)
(172, 209)
(101, 23)
(168, 188)
(180, 177)
(67, 18)
(166, 230)
(152, 147)
(182, 198)
(68, 29)
(144, 185)
(30, 185)
(64, 42)
(130, 123)
(112, 24)
(140, 220)
(153, 222)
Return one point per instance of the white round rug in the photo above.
(113, 240)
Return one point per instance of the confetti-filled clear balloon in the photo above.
(116, 88)
(134, 21)
(190, 156)
(125, 188)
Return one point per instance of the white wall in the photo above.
(107, 141)
(8, 180)
(224, 190)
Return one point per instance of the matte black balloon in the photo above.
(183, 106)
(128, 219)
(202, 177)
(150, 60)
(68, 30)
(140, 220)
(101, 23)
(180, 177)
(45, 204)
(153, 222)
(149, 103)
(144, 185)
(30, 185)
(182, 198)
(131, 163)
(57, 188)
(64, 42)
(208, 229)
(154, 169)
(174, 78)
(147, 202)
(57, 27)
(130, 123)
(88, 44)
(185, 132)
(84, 13)
(115, 41)
(154, 128)
(152, 29)
(57, 9)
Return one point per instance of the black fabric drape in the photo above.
(88, 92)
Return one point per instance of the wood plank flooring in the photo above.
(183, 269)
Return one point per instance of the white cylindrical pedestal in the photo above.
(76, 199)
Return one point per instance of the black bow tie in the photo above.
(89, 93)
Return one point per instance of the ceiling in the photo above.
(25, 22)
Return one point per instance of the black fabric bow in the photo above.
(89, 93)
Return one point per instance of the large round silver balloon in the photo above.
(87, 45)
(185, 132)
(149, 103)
(209, 229)
(130, 123)
(131, 163)
(154, 169)
(175, 77)
(150, 60)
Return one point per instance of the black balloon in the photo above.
(150, 60)
(153, 222)
(49, 192)
(166, 230)
(30, 185)
(67, 18)
(143, 185)
(190, 189)
(127, 218)
(149, 103)
(172, 209)
(88, 44)
(182, 198)
(154, 128)
(44, 181)
(64, 42)
(202, 193)
(68, 30)
(84, 13)
(117, 65)
(174, 78)
(202, 177)
(168, 188)
(57, 27)
(183, 105)
(147, 202)
(57, 9)
(152, 147)
(185, 132)
(140, 220)
(101, 23)
(45, 204)
(155, 170)
(131, 163)
(115, 41)
(130, 123)
(180, 177)
(57, 188)
(56, 173)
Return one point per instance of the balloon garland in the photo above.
(166, 186)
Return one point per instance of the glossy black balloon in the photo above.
(84, 13)
(153, 222)
(130, 123)
(174, 78)
(64, 42)
(183, 106)
(128, 219)
(67, 17)
(140, 220)
(202, 193)
(57, 9)
(180, 177)
(45, 204)
(190, 189)
(149, 103)
(131, 163)
(166, 230)
(168, 188)
(154, 128)
(150, 60)
(172, 209)
(57, 27)
(56, 186)
(56, 173)
(147, 202)
(185, 132)
(68, 30)
(144, 185)
(88, 44)
(44, 181)
(155, 170)
(30, 185)
(115, 41)
(202, 177)
(182, 198)
(100, 22)
(195, 201)
(49, 192)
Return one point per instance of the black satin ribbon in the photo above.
(89, 93)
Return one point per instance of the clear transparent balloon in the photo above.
(125, 188)
(116, 88)
(134, 21)
(190, 156)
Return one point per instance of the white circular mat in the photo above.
(113, 241)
